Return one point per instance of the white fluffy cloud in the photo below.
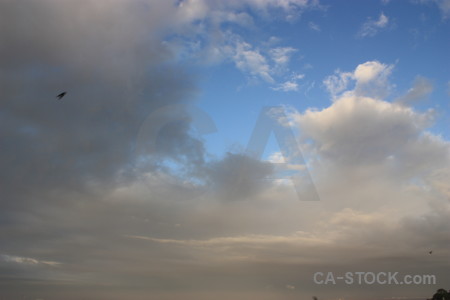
(370, 79)
(359, 130)
(369, 71)
(367, 137)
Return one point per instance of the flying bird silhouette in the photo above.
(61, 95)
(314, 298)
(431, 252)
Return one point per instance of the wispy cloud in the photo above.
(314, 26)
(287, 86)
(372, 27)
(27, 260)
(290, 85)
(443, 5)
(281, 55)
(252, 61)
(422, 87)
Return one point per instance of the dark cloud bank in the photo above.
(86, 216)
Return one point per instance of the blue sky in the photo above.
(331, 37)
(137, 184)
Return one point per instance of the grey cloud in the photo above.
(110, 60)
(421, 88)
(65, 164)
(64, 200)
(59, 159)
(238, 176)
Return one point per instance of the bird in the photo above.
(61, 95)
(431, 252)
(314, 298)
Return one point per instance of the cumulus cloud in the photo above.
(369, 71)
(339, 137)
(369, 78)
(372, 27)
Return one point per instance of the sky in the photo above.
(211, 149)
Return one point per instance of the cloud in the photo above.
(290, 85)
(340, 138)
(218, 41)
(421, 88)
(266, 63)
(370, 79)
(84, 217)
(372, 27)
(376, 169)
(337, 82)
(281, 55)
(252, 61)
(237, 176)
(114, 79)
(443, 5)
(233, 11)
(314, 26)
(277, 158)
(369, 71)
(26, 260)
(286, 5)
